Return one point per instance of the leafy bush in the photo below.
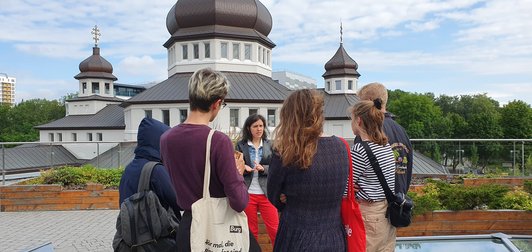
(440, 195)
(78, 177)
(528, 186)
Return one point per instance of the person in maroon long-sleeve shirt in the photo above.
(183, 152)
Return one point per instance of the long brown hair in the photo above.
(301, 124)
(372, 119)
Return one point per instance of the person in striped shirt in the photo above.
(366, 123)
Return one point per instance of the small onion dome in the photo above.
(341, 64)
(229, 18)
(95, 66)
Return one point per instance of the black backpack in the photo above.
(143, 224)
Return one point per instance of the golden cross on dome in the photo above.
(96, 35)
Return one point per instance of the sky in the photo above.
(451, 47)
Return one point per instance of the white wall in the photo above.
(340, 128)
(257, 64)
(86, 107)
(135, 113)
(344, 89)
(82, 135)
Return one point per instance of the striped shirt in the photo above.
(365, 176)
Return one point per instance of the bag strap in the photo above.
(207, 176)
(376, 167)
(350, 188)
(145, 176)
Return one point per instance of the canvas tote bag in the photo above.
(351, 215)
(215, 225)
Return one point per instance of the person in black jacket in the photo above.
(397, 137)
(148, 137)
(257, 151)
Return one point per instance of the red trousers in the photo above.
(260, 203)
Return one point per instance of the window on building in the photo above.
(207, 49)
(166, 117)
(183, 114)
(328, 87)
(224, 50)
(148, 113)
(338, 84)
(350, 84)
(247, 51)
(233, 117)
(95, 88)
(60, 137)
(196, 51)
(99, 137)
(185, 51)
(263, 55)
(89, 137)
(268, 58)
(253, 111)
(107, 88)
(260, 54)
(74, 137)
(51, 137)
(84, 87)
(236, 51)
(271, 118)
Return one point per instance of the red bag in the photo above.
(351, 216)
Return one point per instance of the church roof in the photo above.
(95, 66)
(341, 64)
(199, 19)
(244, 87)
(336, 105)
(110, 117)
(95, 98)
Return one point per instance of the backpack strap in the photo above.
(145, 176)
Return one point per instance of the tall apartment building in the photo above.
(7, 89)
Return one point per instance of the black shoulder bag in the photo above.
(399, 205)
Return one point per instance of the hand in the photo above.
(248, 169)
(258, 167)
(282, 198)
(356, 188)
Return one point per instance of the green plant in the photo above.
(527, 186)
(518, 200)
(78, 177)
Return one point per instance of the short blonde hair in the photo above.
(205, 87)
(373, 91)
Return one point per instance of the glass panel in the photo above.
(338, 84)
(271, 117)
(196, 51)
(233, 117)
(148, 113)
(350, 85)
(166, 117)
(224, 50)
(236, 51)
(185, 51)
(207, 50)
(470, 245)
(183, 114)
(247, 51)
(253, 111)
(522, 244)
(95, 88)
(107, 88)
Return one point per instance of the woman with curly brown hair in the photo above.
(307, 177)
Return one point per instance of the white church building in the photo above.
(224, 36)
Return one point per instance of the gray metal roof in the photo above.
(245, 87)
(426, 166)
(118, 156)
(337, 105)
(36, 156)
(96, 98)
(110, 117)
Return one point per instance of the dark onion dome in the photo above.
(341, 64)
(200, 19)
(95, 66)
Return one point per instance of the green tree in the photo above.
(516, 120)
(23, 117)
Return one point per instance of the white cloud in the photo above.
(145, 68)
(423, 26)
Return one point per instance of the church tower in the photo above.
(341, 76)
